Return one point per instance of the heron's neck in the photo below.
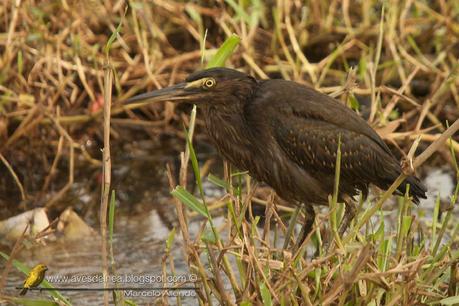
(228, 130)
(226, 121)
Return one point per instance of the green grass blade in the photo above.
(114, 35)
(111, 217)
(209, 235)
(239, 11)
(170, 240)
(265, 295)
(34, 302)
(334, 201)
(224, 52)
(435, 221)
(452, 300)
(20, 63)
(218, 181)
(194, 161)
(190, 200)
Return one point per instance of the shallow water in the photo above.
(144, 219)
(138, 250)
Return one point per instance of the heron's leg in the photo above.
(349, 215)
(310, 216)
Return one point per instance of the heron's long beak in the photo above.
(179, 92)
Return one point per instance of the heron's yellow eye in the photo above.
(209, 83)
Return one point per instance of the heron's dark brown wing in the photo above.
(313, 145)
(307, 126)
(304, 102)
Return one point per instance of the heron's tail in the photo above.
(417, 189)
(23, 291)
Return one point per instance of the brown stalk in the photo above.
(107, 166)
(14, 175)
(349, 278)
(69, 183)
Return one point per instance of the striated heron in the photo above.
(286, 135)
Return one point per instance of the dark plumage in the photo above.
(286, 135)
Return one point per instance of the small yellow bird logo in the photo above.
(35, 277)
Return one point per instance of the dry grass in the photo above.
(406, 58)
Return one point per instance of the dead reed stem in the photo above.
(108, 77)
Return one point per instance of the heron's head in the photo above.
(214, 85)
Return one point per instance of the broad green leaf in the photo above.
(224, 52)
(20, 62)
(265, 295)
(218, 181)
(362, 68)
(209, 236)
(354, 103)
(189, 200)
(130, 302)
(452, 300)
